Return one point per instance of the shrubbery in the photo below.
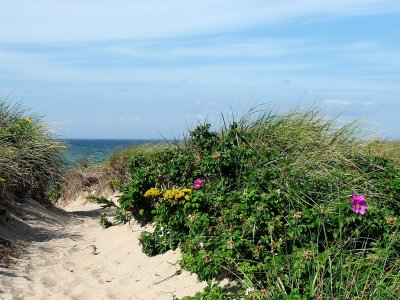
(30, 158)
(290, 206)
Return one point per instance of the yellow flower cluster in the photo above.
(27, 121)
(176, 195)
(153, 192)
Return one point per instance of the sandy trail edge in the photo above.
(59, 263)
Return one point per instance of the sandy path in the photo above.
(59, 263)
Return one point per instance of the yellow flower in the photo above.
(169, 195)
(27, 121)
(2, 180)
(176, 195)
(153, 192)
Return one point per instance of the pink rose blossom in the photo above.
(358, 204)
(198, 183)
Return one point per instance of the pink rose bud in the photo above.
(198, 183)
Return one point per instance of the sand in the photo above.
(60, 261)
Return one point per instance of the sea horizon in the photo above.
(97, 150)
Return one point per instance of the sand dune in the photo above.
(60, 261)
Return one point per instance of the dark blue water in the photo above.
(97, 150)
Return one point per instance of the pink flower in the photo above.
(201, 245)
(198, 183)
(358, 204)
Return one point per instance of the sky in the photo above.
(152, 69)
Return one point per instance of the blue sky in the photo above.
(146, 69)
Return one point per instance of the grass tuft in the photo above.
(30, 158)
(100, 179)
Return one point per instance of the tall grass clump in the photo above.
(388, 149)
(287, 206)
(30, 158)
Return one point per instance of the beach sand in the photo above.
(69, 256)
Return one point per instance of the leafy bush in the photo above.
(30, 158)
(290, 206)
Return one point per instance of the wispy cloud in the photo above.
(206, 103)
(186, 56)
(338, 103)
(129, 119)
(75, 20)
(293, 62)
(60, 126)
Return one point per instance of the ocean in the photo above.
(97, 150)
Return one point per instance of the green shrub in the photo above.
(30, 158)
(265, 201)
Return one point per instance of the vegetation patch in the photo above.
(30, 158)
(388, 149)
(289, 206)
(102, 179)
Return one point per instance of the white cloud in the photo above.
(129, 119)
(198, 117)
(60, 126)
(346, 103)
(211, 48)
(96, 20)
(337, 102)
(206, 103)
(27, 66)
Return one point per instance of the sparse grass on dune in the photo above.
(388, 149)
(102, 178)
(31, 160)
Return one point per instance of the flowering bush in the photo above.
(273, 216)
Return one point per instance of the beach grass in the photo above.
(388, 149)
(30, 157)
(102, 178)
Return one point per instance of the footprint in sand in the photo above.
(48, 282)
(73, 250)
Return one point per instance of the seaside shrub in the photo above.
(30, 158)
(290, 206)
